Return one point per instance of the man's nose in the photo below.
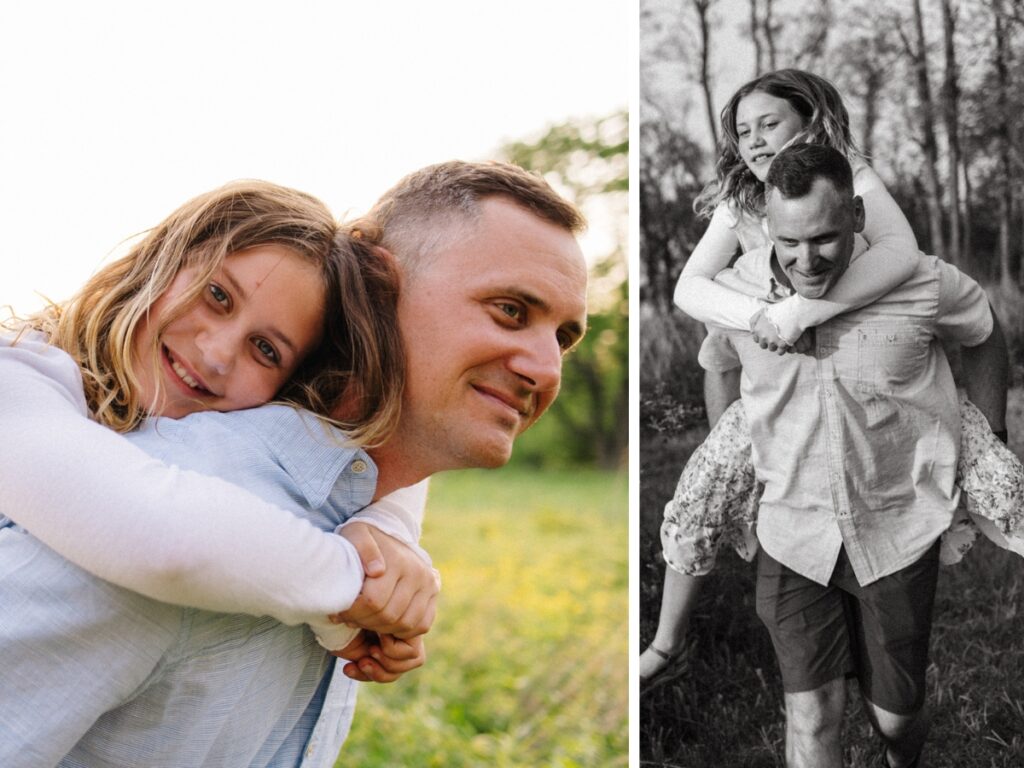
(808, 257)
(539, 362)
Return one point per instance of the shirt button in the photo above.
(359, 466)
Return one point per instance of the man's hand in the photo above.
(381, 658)
(399, 594)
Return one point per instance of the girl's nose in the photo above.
(217, 351)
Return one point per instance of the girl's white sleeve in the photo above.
(399, 514)
(698, 295)
(889, 261)
(170, 534)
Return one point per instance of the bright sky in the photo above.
(115, 113)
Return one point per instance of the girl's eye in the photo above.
(218, 295)
(564, 341)
(266, 349)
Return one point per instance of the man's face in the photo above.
(486, 321)
(814, 236)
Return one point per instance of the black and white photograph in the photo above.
(831, 378)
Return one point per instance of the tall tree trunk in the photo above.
(1003, 139)
(967, 251)
(769, 35)
(702, 6)
(929, 145)
(815, 40)
(951, 117)
(755, 36)
(872, 88)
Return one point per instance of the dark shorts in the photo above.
(878, 633)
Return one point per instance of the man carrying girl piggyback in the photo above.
(718, 497)
(170, 574)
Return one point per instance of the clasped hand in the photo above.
(766, 335)
(395, 608)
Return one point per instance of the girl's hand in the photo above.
(399, 593)
(766, 334)
(381, 658)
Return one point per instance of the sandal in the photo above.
(670, 670)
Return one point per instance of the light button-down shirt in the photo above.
(856, 445)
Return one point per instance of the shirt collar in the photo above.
(313, 453)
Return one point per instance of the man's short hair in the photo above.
(795, 169)
(413, 217)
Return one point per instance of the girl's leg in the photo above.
(677, 601)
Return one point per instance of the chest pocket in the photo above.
(890, 356)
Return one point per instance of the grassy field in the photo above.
(526, 663)
(725, 708)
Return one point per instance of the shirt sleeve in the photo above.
(717, 352)
(696, 292)
(888, 262)
(167, 533)
(964, 314)
(399, 514)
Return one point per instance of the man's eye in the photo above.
(219, 295)
(266, 349)
(513, 311)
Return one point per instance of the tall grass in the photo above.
(526, 662)
(670, 381)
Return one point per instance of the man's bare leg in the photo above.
(814, 721)
(903, 735)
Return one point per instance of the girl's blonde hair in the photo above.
(97, 326)
(826, 121)
(356, 376)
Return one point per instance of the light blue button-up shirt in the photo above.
(94, 675)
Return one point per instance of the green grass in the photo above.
(725, 710)
(526, 661)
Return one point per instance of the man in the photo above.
(493, 295)
(856, 445)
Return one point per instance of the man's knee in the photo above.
(896, 728)
(819, 712)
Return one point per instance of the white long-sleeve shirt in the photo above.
(891, 259)
(170, 534)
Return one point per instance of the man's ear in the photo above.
(858, 213)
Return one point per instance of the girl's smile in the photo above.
(764, 125)
(238, 342)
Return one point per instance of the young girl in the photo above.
(717, 497)
(244, 293)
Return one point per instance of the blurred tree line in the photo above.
(588, 162)
(934, 89)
